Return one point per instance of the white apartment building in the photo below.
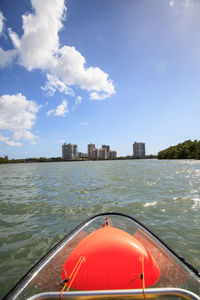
(95, 154)
(103, 153)
(106, 147)
(91, 147)
(112, 154)
(69, 151)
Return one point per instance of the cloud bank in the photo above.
(39, 48)
(17, 116)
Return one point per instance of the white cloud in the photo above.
(184, 3)
(188, 3)
(3, 138)
(53, 84)
(60, 111)
(40, 40)
(39, 48)
(78, 101)
(70, 68)
(50, 112)
(8, 141)
(6, 57)
(98, 96)
(17, 116)
(1, 22)
(13, 143)
(84, 123)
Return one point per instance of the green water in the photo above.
(40, 203)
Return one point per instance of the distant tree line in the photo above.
(4, 160)
(186, 150)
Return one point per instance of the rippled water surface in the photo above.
(40, 203)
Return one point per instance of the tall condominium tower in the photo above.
(69, 151)
(112, 154)
(139, 150)
(91, 147)
(103, 153)
(106, 147)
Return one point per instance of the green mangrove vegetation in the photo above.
(5, 160)
(186, 150)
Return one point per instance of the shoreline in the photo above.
(59, 159)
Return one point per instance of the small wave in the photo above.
(196, 203)
(193, 191)
(151, 183)
(150, 204)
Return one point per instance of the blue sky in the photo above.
(107, 72)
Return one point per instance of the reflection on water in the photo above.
(39, 203)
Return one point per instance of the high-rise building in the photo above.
(103, 153)
(106, 147)
(69, 151)
(82, 155)
(138, 150)
(95, 153)
(112, 154)
(91, 147)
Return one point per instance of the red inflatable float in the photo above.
(110, 258)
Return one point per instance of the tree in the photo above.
(186, 150)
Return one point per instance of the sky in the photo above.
(98, 71)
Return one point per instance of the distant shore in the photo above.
(59, 159)
(186, 150)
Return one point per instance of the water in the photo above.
(40, 203)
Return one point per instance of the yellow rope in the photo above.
(62, 291)
(71, 281)
(65, 272)
(72, 275)
(143, 281)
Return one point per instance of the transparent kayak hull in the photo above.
(177, 278)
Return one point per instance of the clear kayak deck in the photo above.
(178, 279)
